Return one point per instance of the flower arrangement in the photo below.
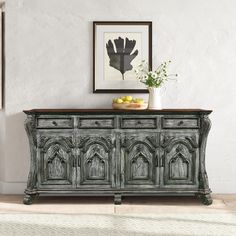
(153, 79)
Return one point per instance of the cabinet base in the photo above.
(205, 198)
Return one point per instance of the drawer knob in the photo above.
(54, 123)
(139, 122)
(180, 123)
(96, 123)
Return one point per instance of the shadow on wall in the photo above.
(17, 153)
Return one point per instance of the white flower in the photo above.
(136, 71)
(145, 77)
(154, 75)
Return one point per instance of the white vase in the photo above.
(154, 101)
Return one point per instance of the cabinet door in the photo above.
(179, 160)
(139, 160)
(96, 165)
(56, 161)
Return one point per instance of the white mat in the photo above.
(109, 225)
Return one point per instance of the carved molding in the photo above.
(131, 141)
(108, 140)
(182, 141)
(56, 152)
(153, 140)
(41, 141)
(45, 142)
(167, 141)
(87, 141)
(193, 140)
(30, 127)
(127, 140)
(205, 128)
(82, 140)
(204, 131)
(203, 182)
(179, 155)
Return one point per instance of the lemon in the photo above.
(126, 102)
(128, 98)
(123, 98)
(140, 101)
(119, 100)
(114, 100)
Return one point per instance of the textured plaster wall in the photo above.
(49, 65)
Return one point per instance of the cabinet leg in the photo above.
(117, 199)
(29, 198)
(206, 199)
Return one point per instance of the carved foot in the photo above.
(28, 199)
(117, 199)
(206, 199)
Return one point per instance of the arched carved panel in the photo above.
(139, 160)
(139, 167)
(95, 167)
(179, 167)
(180, 162)
(95, 157)
(56, 161)
(56, 169)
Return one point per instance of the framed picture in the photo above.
(118, 47)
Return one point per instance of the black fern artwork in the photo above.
(121, 58)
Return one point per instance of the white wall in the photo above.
(49, 65)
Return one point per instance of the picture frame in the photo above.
(119, 47)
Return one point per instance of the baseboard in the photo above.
(227, 187)
(217, 187)
(12, 187)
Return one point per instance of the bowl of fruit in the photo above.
(129, 103)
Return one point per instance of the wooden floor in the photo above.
(104, 205)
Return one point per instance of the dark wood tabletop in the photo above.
(117, 111)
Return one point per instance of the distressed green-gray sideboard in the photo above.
(117, 152)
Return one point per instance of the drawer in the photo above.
(96, 123)
(138, 123)
(54, 123)
(180, 123)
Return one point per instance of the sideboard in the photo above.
(103, 152)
